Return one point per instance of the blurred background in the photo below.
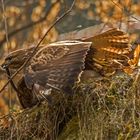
(24, 22)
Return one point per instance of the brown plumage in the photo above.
(109, 52)
(110, 49)
(58, 66)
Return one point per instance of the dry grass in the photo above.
(103, 109)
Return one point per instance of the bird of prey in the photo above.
(58, 66)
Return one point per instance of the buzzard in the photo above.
(58, 66)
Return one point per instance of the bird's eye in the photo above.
(7, 62)
(8, 58)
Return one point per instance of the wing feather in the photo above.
(62, 70)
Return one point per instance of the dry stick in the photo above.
(7, 42)
(11, 81)
(121, 8)
(28, 25)
(34, 51)
(5, 23)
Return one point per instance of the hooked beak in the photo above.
(5, 65)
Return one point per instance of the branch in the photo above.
(11, 81)
(28, 25)
(34, 51)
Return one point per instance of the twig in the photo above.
(136, 18)
(11, 81)
(7, 41)
(123, 11)
(34, 51)
(28, 25)
(5, 24)
(116, 4)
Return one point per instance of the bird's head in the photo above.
(16, 58)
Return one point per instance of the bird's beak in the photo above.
(5, 65)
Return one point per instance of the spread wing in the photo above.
(57, 66)
(110, 50)
(114, 41)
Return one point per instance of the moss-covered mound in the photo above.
(101, 108)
